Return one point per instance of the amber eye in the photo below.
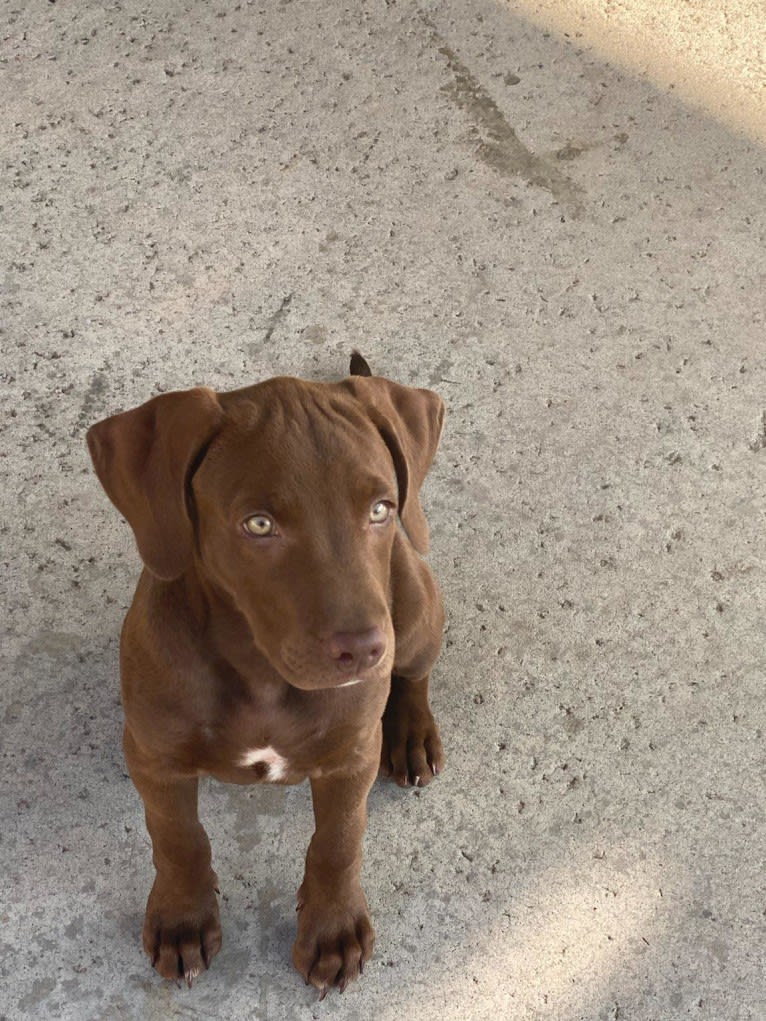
(380, 512)
(259, 525)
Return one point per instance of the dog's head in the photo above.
(284, 496)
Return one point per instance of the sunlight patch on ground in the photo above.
(569, 944)
(712, 53)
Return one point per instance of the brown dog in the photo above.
(284, 628)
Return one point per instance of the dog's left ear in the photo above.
(410, 422)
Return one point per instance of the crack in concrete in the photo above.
(276, 318)
(758, 441)
(498, 144)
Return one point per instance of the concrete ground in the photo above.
(574, 259)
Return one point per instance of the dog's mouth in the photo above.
(312, 681)
(304, 668)
(343, 660)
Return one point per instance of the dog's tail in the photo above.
(359, 366)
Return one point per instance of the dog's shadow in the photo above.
(71, 720)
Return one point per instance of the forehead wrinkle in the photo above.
(317, 428)
(293, 442)
(329, 421)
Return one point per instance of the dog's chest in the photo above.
(278, 734)
(263, 742)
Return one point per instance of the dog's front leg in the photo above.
(182, 930)
(335, 935)
(412, 752)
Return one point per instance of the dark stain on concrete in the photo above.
(498, 145)
(93, 401)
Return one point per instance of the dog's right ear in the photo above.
(359, 366)
(144, 458)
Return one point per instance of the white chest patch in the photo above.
(275, 763)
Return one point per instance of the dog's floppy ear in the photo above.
(143, 459)
(410, 422)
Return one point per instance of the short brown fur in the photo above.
(314, 642)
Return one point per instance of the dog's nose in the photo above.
(355, 651)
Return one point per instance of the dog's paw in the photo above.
(412, 753)
(182, 931)
(334, 941)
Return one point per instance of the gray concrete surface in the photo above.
(215, 193)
